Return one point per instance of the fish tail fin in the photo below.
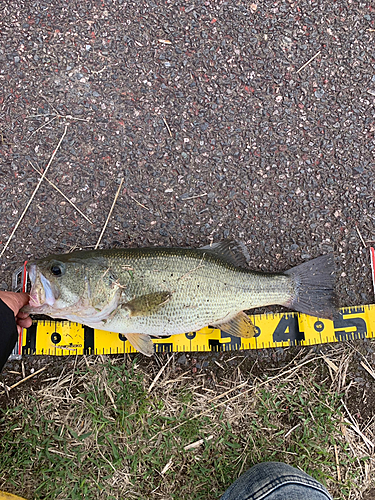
(314, 287)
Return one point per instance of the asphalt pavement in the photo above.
(252, 121)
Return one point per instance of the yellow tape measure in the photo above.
(63, 338)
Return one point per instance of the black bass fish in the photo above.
(140, 292)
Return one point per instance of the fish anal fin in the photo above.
(141, 343)
(147, 304)
(239, 326)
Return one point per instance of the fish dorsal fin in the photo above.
(141, 342)
(239, 326)
(232, 251)
(147, 304)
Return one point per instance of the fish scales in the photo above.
(205, 289)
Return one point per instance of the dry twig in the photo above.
(194, 197)
(35, 191)
(109, 215)
(360, 237)
(353, 424)
(167, 466)
(308, 62)
(368, 369)
(62, 194)
(291, 430)
(138, 203)
(27, 378)
(196, 444)
(44, 125)
(159, 373)
(166, 124)
(337, 464)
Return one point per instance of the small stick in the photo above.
(5, 387)
(227, 392)
(58, 115)
(360, 237)
(166, 124)
(39, 116)
(193, 197)
(67, 117)
(51, 450)
(291, 430)
(35, 191)
(40, 128)
(110, 213)
(218, 364)
(27, 378)
(337, 463)
(330, 363)
(49, 104)
(197, 443)
(138, 203)
(368, 369)
(195, 269)
(100, 451)
(159, 374)
(62, 194)
(70, 117)
(167, 466)
(355, 428)
(308, 62)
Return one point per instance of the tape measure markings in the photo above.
(63, 338)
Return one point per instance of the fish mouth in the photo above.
(42, 292)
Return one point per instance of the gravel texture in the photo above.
(200, 107)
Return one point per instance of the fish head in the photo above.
(64, 286)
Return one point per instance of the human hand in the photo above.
(16, 301)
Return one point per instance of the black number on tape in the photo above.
(56, 338)
(319, 326)
(223, 345)
(190, 335)
(288, 329)
(341, 324)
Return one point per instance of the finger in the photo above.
(24, 323)
(14, 300)
(22, 315)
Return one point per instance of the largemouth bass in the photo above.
(140, 292)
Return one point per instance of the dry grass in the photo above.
(113, 429)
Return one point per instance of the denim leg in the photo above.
(275, 481)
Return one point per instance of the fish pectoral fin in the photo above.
(141, 342)
(147, 304)
(239, 326)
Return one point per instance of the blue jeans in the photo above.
(275, 481)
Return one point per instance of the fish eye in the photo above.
(57, 269)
